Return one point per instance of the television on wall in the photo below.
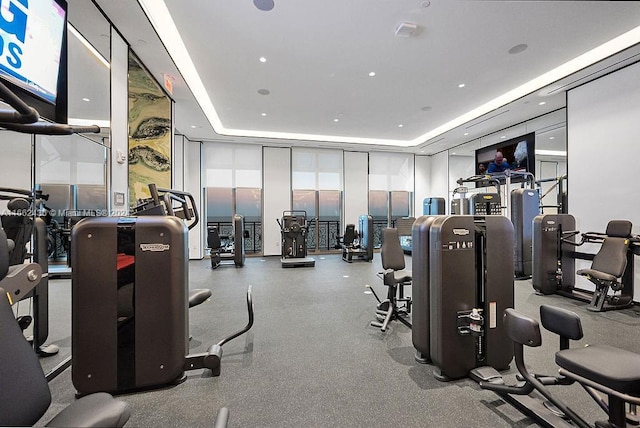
(518, 152)
(33, 54)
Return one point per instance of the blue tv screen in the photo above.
(33, 51)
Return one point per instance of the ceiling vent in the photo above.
(406, 29)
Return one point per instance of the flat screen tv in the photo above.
(33, 54)
(518, 152)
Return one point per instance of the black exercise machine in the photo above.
(25, 225)
(462, 279)
(356, 243)
(227, 248)
(294, 228)
(433, 206)
(611, 376)
(404, 226)
(525, 206)
(612, 268)
(24, 393)
(130, 298)
(396, 306)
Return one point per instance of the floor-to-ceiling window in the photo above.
(317, 189)
(390, 189)
(234, 186)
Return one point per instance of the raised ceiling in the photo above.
(315, 86)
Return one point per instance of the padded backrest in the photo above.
(391, 252)
(619, 228)
(612, 256)
(4, 254)
(521, 328)
(18, 228)
(213, 238)
(561, 322)
(349, 234)
(24, 392)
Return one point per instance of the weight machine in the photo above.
(294, 228)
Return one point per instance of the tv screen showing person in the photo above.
(499, 164)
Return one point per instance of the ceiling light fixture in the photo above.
(541, 103)
(263, 114)
(552, 138)
(462, 85)
(406, 29)
(372, 73)
(86, 99)
(400, 125)
(263, 59)
(466, 133)
(551, 152)
(336, 120)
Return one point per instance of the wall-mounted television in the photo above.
(518, 152)
(33, 54)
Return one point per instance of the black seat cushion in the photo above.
(597, 275)
(612, 367)
(95, 410)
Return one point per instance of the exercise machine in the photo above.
(130, 298)
(294, 228)
(554, 255)
(355, 243)
(525, 206)
(611, 376)
(227, 248)
(462, 280)
(25, 227)
(396, 306)
(404, 226)
(433, 206)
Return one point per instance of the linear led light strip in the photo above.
(160, 18)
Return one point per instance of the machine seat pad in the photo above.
(597, 275)
(198, 295)
(401, 276)
(612, 367)
(95, 410)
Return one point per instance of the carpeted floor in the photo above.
(313, 360)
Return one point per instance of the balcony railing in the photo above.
(252, 244)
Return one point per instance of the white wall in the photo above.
(276, 196)
(356, 187)
(422, 183)
(119, 122)
(193, 184)
(440, 178)
(602, 129)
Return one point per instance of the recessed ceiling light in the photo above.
(336, 119)
(400, 125)
(466, 133)
(504, 136)
(541, 103)
(518, 48)
(263, 114)
(453, 153)
(462, 85)
(421, 151)
(372, 73)
(263, 59)
(264, 91)
(86, 99)
(194, 126)
(552, 138)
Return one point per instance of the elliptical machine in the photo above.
(294, 229)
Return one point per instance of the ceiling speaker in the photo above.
(265, 5)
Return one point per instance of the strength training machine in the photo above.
(294, 229)
(227, 248)
(462, 280)
(612, 267)
(357, 243)
(611, 376)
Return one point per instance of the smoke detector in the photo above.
(406, 29)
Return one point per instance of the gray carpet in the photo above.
(313, 360)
